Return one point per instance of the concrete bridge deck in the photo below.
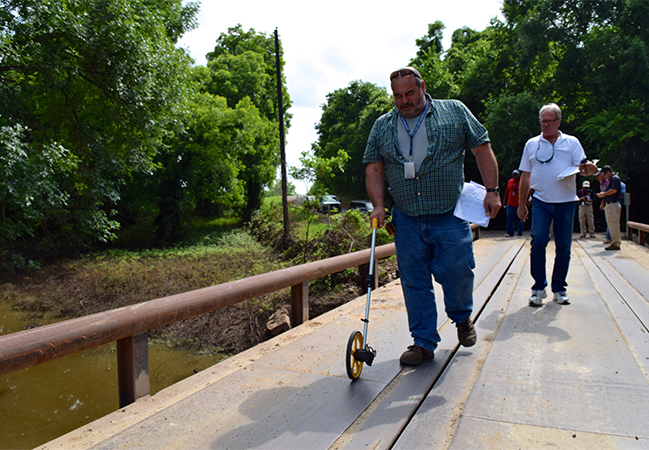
(557, 376)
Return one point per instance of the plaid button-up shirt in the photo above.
(450, 129)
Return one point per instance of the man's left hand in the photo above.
(588, 168)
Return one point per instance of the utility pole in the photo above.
(281, 139)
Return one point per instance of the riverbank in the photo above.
(96, 283)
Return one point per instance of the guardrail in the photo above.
(129, 325)
(642, 229)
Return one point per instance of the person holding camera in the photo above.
(420, 145)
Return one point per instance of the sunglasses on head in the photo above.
(403, 73)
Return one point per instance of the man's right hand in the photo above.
(522, 212)
(378, 213)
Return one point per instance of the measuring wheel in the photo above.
(354, 366)
(358, 352)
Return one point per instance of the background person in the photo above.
(586, 218)
(544, 158)
(602, 187)
(612, 208)
(514, 223)
(420, 145)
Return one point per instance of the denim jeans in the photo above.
(513, 221)
(441, 245)
(542, 216)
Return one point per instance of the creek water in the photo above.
(43, 402)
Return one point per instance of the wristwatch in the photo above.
(496, 190)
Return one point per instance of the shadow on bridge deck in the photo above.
(565, 376)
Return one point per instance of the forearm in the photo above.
(487, 164)
(375, 189)
(524, 189)
(374, 184)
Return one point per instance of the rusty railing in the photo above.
(129, 325)
(642, 228)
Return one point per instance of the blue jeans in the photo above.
(542, 216)
(441, 245)
(513, 221)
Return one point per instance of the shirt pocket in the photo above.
(446, 143)
(389, 151)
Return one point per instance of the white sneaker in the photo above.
(537, 297)
(561, 298)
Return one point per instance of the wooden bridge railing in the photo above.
(129, 325)
(642, 230)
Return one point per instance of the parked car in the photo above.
(330, 203)
(364, 206)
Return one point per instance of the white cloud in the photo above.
(330, 44)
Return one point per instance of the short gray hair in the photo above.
(551, 107)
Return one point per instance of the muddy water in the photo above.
(43, 402)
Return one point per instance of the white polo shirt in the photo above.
(545, 162)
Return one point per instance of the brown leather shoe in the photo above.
(466, 333)
(415, 355)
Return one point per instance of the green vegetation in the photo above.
(589, 57)
(108, 134)
(111, 138)
(223, 251)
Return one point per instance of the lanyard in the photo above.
(405, 124)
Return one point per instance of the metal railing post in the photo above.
(133, 368)
(299, 303)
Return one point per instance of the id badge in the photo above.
(409, 170)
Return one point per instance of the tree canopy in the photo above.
(108, 130)
(100, 80)
(347, 118)
(589, 57)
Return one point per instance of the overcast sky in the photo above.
(331, 43)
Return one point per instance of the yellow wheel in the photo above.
(354, 367)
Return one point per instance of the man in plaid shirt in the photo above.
(420, 145)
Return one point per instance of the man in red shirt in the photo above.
(511, 201)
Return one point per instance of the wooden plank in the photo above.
(437, 419)
(628, 308)
(379, 426)
(480, 434)
(558, 367)
(255, 408)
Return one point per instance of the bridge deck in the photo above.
(567, 376)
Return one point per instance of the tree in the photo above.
(432, 42)
(242, 67)
(315, 169)
(590, 57)
(102, 80)
(434, 69)
(511, 121)
(28, 183)
(347, 119)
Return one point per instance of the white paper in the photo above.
(570, 170)
(470, 205)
